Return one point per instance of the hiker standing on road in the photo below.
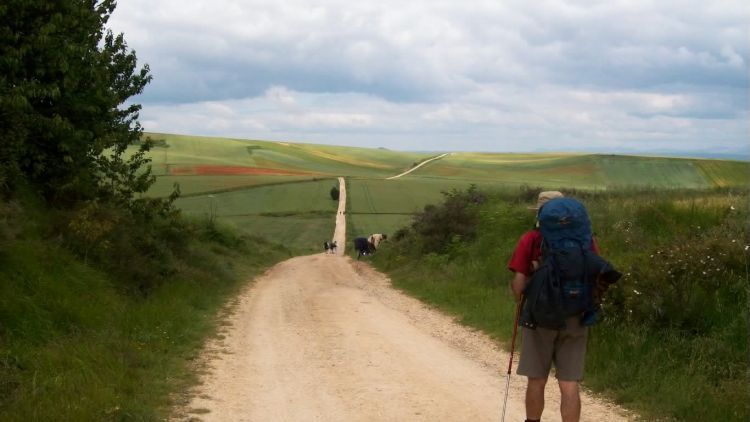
(566, 348)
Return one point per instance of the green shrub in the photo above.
(443, 227)
(688, 283)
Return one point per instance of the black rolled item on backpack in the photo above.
(548, 297)
(543, 304)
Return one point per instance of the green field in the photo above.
(299, 215)
(291, 198)
(587, 171)
(314, 160)
(725, 173)
(196, 185)
(280, 190)
(384, 206)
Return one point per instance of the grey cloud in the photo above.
(465, 75)
(425, 50)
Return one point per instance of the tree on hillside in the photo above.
(335, 193)
(64, 120)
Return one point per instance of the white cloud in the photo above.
(733, 59)
(281, 96)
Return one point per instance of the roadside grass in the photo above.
(668, 374)
(75, 345)
(673, 342)
(301, 234)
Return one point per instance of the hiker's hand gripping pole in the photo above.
(519, 305)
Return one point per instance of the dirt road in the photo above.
(326, 338)
(417, 166)
(339, 233)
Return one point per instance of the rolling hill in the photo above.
(279, 190)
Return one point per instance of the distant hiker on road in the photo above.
(326, 246)
(564, 345)
(333, 246)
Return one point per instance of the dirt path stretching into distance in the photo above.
(327, 338)
(417, 166)
(339, 234)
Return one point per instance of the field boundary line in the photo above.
(248, 187)
(281, 214)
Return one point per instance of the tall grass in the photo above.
(81, 342)
(673, 342)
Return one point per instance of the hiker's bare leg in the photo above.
(535, 398)
(570, 401)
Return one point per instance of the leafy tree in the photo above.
(335, 193)
(64, 118)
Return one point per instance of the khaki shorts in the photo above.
(566, 348)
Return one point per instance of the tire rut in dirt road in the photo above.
(326, 338)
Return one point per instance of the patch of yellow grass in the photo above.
(724, 201)
(348, 159)
(582, 169)
(510, 158)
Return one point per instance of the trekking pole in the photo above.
(512, 349)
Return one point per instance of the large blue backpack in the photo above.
(563, 284)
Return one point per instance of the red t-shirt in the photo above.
(529, 249)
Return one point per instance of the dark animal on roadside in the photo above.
(363, 247)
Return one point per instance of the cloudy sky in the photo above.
(497, 75)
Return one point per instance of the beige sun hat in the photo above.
(546, 196)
